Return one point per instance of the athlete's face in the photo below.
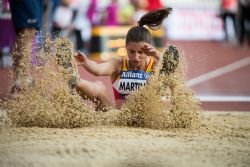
(136, 56)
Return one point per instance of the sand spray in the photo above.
(165, 101)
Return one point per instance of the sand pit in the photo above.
(50, 124)
(221, 140)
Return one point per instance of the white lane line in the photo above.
(224, 98)
(220, 71)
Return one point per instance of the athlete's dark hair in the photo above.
(153, 20)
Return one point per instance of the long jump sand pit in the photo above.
(50, 125)
(222, 139)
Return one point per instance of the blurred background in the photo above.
(213, 34)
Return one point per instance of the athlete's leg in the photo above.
(95, 91)
(26, 17)
(21, 54)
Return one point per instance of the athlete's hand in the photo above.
(149, 50)
(80, 58)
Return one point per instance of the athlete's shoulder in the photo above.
(117, 63)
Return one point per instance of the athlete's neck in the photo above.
(132, 67)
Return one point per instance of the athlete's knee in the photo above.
(100, 89)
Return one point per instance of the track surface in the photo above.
(218, 73)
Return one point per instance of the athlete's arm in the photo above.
(107, 68)
(151, 51)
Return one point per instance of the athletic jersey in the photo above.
(129, 81)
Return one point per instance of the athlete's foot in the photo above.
(64, 55)
(20, 86)
(170, 60)
(16, 92)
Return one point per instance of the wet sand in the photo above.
(222, 139)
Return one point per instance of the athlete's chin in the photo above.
(137, 64)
